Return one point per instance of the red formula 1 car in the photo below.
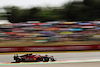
(33, 58)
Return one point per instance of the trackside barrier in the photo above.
(50, 48)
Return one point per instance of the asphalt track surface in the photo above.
(60, 57)
(95, 64)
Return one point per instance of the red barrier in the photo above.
(50, 48)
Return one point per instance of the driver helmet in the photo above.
(51, 56)
(46, 55)
(30, 54)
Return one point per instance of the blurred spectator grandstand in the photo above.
(51, 31)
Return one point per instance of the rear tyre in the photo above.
(41, 59)
(17, 60)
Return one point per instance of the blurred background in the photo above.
(56, 22)
(45, 10)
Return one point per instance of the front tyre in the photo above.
(52, 59)
(46, 59)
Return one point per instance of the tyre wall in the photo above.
(51, 48)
